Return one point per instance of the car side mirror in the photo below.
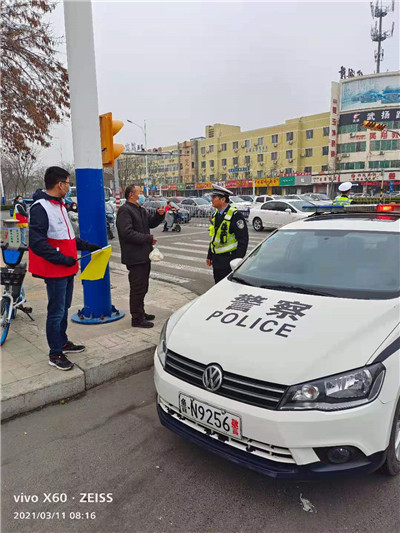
(288, 211)
(235, 263)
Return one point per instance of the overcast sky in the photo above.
(184, 65)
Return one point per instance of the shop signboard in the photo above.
(238, 169)
(181, 187)
(267, 182)
(303, 180)
(376, 115)
(286, 181)
(203, 185)
(189, 186)
(232, 184)
(172, 187)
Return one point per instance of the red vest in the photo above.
(61, 236)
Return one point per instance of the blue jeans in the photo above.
(59, 294)
(23, 235)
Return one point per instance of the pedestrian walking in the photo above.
(343, 199)
(133, 225)
(72, 210)
(21, 215)
(229, 235)
(53, 257)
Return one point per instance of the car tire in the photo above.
(257, 224)
(391, 466)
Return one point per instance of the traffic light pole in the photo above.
(87, 155)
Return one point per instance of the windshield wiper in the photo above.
(297, 288)
(242, 281)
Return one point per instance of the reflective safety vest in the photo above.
(222, 241)
(341, 200)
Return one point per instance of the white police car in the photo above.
(290, 365)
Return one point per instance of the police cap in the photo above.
(346, 186)
(217, 190)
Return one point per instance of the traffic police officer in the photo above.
(229, 236)
(343, 199)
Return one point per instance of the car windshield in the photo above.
(200, 201)
(345, 264)
(301, 204)
(236, 199)
(322, 196)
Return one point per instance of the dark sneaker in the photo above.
(70, 347)
(149, 317)
(60, 362)
(142, 324)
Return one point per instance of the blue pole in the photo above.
(87, 154)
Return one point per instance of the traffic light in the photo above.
(370, 125)
(109, 150)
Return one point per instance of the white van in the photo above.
(290, 365)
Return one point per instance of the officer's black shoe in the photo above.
(149, 317)
(142, 324)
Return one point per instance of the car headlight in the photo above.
(162, 345)
(341, 391)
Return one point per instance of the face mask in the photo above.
(142, 199)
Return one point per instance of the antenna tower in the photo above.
(378, 11)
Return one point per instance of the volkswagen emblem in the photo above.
(212, 377)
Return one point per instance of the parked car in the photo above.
(241, 205)
(313, 198)
(248, 197)
(197, 207)
(277, 213)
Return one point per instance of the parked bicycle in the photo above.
(13, 297)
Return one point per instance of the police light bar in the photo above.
(387, 208)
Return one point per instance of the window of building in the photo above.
(211, 163)
(359, 165)
(181, 166)
(289, 136)
(325, 150)
(192, 164)
(274, 156)
(325, 131)
(203, 150)
(212, 177)
(324, 168)
(235, 145)
(247, 160)
(223, 177)
(392, 144)
(260, 141)
(223, 161)
(383, 164)
(288, 170)
(260, 158)
(259, 174)
(309, 134)
(203, 164)
(235, 160)
(247, 143)
(307, 169)
(223, 147)
(352, 147)
(275, 139)
(289, 154)
(308, 152)
(211, 148)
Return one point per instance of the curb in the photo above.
(35, 392)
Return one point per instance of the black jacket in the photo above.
(38, 228)
(133, 225)
(241, 233)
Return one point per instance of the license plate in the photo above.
(212, 417)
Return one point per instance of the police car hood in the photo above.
(281, 337)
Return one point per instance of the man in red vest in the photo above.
(53, 257)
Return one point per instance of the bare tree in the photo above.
(19, 173)
(34, 85)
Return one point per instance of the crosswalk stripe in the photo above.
(193, 245)
(163, 276)
(162, 247)
(188, 268)
(176, 256)
(184, 257)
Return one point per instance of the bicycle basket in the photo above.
(13, 275)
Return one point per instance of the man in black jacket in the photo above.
(133, 225)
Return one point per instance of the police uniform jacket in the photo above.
(242, 237)
(133, 225)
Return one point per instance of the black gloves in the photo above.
(69, 261)
(93, 247)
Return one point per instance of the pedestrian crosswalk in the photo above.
(184, 258)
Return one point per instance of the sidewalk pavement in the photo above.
(112, 350)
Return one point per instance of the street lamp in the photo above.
(144, 130)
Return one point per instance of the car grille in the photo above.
(235, 387)
(253, 447)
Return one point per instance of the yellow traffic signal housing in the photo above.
(109, 150)
(378, 126)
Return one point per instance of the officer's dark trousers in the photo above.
(139, 285)
(221, 273)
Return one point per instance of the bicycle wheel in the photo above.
(5, 324)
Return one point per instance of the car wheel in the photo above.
(392, 464)
(257, 224)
